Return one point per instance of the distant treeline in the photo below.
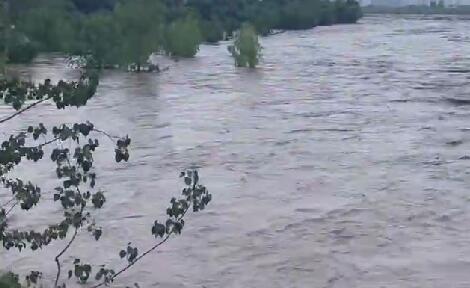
(418, 9)
(128, 31)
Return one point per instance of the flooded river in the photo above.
(340, 162)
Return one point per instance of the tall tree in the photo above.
(99, 40)
(51, 24)
(183, 37)
(140, 25)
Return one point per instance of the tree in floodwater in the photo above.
(140, 25)
(347, 11)
(50, 25)
(99, 40)
(246, 49)
(183, 37)
(71, 148)
(15, 47)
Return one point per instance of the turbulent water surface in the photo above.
(340, 162)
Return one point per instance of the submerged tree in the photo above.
(183, 37)
(15, 47)
(141, 30)
(246, 49)
(99, 42)
(50, 25)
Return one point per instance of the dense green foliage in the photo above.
(46, 24)
(227, 15)
(183, 37)
(125, 32)
(88, 6)
(140, 30)
(97, 39)
(246, 49)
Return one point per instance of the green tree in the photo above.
(15, 47)
(183, 37)
(140, 25)
(246, 49)
(99, 40)
(347, 11)
(264, 15)
(212, 31)
(50, 24)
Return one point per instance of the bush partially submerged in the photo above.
(246, 49)
(183, 37)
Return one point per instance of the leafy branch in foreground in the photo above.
(194, 195)
(71, 148)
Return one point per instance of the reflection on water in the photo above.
(337, 163)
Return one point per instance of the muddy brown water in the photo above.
(338, 163)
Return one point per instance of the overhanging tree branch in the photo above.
(57, 258)
(23, 110)
(78, 225)
(148, 251)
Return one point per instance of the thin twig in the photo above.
(106, 134)
(8, 202)
(141, 256)
(67, 247)
(62, 253)
(45, 143)
(49, 142)
(11, 208)
(4, 220)
(23, 110)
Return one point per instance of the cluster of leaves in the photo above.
(246, 49)
(72, 177)
(26, 194)
(75, 93)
